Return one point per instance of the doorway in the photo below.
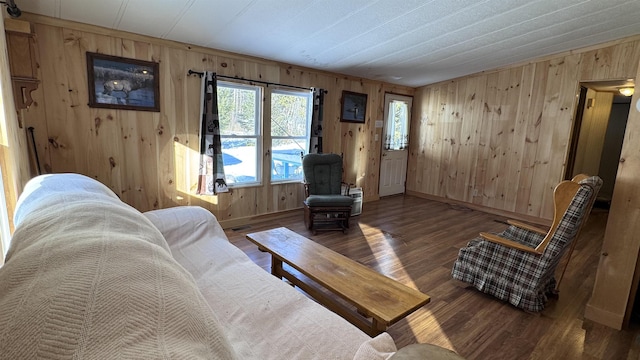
(395, 144)
(598, 134)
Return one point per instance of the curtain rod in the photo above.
(201, 74)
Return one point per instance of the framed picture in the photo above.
(121, 83)
(354, 107)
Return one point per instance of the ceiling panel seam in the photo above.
(178, 18)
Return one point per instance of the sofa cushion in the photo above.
(87, 276)
(265, 318)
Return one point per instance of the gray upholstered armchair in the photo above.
(325, 208)
(519, 264)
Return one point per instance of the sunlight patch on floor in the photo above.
(388, 263)
(435, 335)
(385, 255)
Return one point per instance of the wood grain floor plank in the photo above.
(416, 241)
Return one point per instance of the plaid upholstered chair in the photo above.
(325, 208)
(518, 265)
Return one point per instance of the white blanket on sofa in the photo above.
(264, 317)
(87, 276)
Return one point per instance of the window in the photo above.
(290, 129)
(396, 132)
(239, 111)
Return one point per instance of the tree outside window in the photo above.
(239, 109)
(290, 123)
(239, 113)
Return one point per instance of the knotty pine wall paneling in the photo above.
(618, 272)
(515, 126)
(14, 153)
(500, 139)
(497, 139)
(150, 159)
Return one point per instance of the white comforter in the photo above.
(264, 317)
(87, 276)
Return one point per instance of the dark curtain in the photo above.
(315, 143)
(211, 179)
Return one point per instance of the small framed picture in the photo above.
(354, 107)
(121, 83)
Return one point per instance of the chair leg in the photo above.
(328, 218)
(345, 222)
(308, 218)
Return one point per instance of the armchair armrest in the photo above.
(525, 226)
(509, 243)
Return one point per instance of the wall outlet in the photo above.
(475, 192)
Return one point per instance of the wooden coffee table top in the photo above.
(374, 295)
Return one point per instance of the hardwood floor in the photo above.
(416, 241)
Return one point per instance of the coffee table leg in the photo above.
(378, 326)
(276, 267)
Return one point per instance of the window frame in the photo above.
(389, 127)
(258, 133)
(306, 137)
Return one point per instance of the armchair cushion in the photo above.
(328, 200)
(323, 173)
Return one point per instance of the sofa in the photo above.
(88, 276)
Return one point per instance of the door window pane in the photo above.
(397, 136)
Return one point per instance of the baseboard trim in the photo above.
(604, 317)
(504, 213)
(249, 220)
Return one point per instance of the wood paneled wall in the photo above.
(13, 139)
(500, 139)
(151, 159)
(497, 139)
(618, 273)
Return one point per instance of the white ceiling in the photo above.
(408, 42)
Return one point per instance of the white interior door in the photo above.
(395, 144)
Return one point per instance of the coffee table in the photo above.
(379, 301)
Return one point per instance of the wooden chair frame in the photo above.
(320, 218)
(563, 195)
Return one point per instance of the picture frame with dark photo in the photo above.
(122, 83)
(354, 107)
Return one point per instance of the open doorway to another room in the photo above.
(598, 133)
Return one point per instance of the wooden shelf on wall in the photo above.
(22, 61)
